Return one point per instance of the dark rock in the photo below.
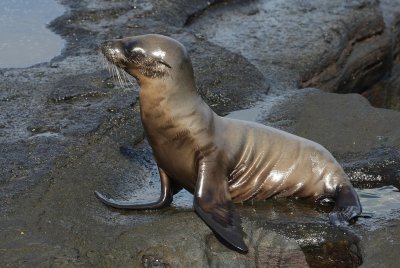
(386, 94)
(228, 81)
(380, 167)
(363, 61)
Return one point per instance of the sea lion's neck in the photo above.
(167, 109)
(168, 96)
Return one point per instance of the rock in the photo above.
(344, 124)
(228, 81)
(382, 242)
(392, 90)
(187, 242)
(378, 168)
(280, 49)
(386, 92)
(363, 60)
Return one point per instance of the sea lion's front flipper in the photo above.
(347, 205)
(214, 205)
(164, 200)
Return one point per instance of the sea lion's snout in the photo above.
(114, 52)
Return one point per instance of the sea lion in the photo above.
(219, 160)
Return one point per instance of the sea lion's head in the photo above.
(147, 57)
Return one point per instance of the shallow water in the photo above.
(379, 199)
(25, 40)
(378, 203)
(260, 109)
(250, 114)
(382, 204)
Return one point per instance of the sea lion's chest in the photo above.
(178, 163)
(177, 135)
(173, 150)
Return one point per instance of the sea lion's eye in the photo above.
(164, 63)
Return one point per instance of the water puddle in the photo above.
(259, 110)
(183, 200)
(250, 114)
(380, 199)
(382, 204)
(25, 40)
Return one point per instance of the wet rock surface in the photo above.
(68, 128)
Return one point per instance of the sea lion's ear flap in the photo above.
(213, 204)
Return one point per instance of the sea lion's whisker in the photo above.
(122, 79)
(128, 80)
(114, 72)
(118, 76)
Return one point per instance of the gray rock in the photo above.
(383, 242)
(344, 124)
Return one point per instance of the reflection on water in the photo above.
(183, 199)
(380, 201)
(250, 114)
(24, 38)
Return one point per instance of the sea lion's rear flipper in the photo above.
(347, 205)
(214, 205)
(164, 200)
